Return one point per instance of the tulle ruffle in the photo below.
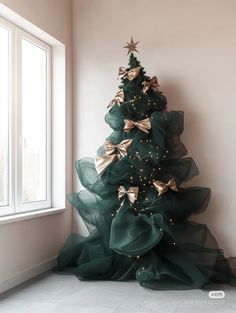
(151, 240)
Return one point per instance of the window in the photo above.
(25, 121)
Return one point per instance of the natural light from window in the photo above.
(34, 122)
(25, 121)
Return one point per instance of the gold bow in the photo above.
(131, 193)
(143, 125)
(153, 84)
(131, 74)
(162, 187)
(112, 153)
(118, 99)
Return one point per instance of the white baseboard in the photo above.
(27, 274)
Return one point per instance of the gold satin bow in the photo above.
(153, 84)
(131, 193)
(118, 99)
(143, 125)
(131, 74)
(162, 187)
(112, 153)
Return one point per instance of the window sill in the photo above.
(29, 215)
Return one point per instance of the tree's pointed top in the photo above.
(133, 61)
(131, 46)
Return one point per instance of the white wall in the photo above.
(26, 244)
(191, 46)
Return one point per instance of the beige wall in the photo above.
(191, 46)
(28, 243)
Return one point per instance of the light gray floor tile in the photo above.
(53, 293)
(22, 306)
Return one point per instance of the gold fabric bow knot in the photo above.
(118, 99)
(112, 153)
(153, 84)
(162, 187)
(131, 193)
(143, 125)
(131, 74)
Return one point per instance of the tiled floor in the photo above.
(51, 293)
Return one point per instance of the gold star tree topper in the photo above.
(131, 46)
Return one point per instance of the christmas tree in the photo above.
(133, 205)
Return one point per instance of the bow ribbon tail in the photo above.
(102, 162)
(118, 99)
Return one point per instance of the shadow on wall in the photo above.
(194, 128)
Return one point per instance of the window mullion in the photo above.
(12, 119)
(18, 121)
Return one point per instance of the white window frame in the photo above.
(9, 209)
(15, 127)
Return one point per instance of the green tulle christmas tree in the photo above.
(133, 204)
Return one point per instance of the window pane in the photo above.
(34, 122)
(4, 107)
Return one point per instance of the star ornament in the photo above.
(131, 46)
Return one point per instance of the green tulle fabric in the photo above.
(151, 240)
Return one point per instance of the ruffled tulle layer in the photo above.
(150, 240)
